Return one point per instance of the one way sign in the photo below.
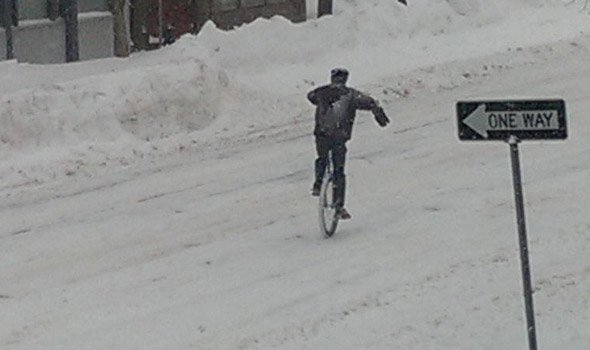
(499, 120)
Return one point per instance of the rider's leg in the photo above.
(339, 158)
(322, 145)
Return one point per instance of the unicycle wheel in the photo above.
(327, 210)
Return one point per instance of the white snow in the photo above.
(162, 201)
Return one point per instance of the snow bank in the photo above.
(229, 84)
(146, 103)
(381, 37)
(56, 128)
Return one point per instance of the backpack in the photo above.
(334, 121)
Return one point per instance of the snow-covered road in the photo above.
(219, 249)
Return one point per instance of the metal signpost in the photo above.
(160, 22)
(7, 19)
(70, 15)
(513, 121)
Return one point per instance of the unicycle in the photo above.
(327, 209)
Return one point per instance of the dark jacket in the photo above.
(336, 107)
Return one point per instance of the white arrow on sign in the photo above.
(482, 121)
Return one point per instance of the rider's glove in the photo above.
(380, 116)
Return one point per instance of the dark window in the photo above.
(12, 13)
(53, 9)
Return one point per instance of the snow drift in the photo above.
(225, 85)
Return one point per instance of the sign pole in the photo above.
(7, 19)
(70, 16)
(160, 23)
(512, 121)
(524, 250)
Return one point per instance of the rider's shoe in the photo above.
(315, 191)
(343, 214)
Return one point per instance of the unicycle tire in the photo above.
(327, 210)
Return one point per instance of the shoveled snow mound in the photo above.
(105, 116)
(147, 104)
(221, 85)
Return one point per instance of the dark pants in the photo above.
(325, 145)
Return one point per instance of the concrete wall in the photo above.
(43, 41)
(95, 31)
(39, 41)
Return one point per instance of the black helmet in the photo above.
(339, 75)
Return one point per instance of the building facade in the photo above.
(39, 34)
(178, 17)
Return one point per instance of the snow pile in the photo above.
(108, 115)
(148, 104)
(228, 85)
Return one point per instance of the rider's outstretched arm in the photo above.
(363, 102)
(367, 103)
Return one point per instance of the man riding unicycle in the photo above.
(336, 106)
